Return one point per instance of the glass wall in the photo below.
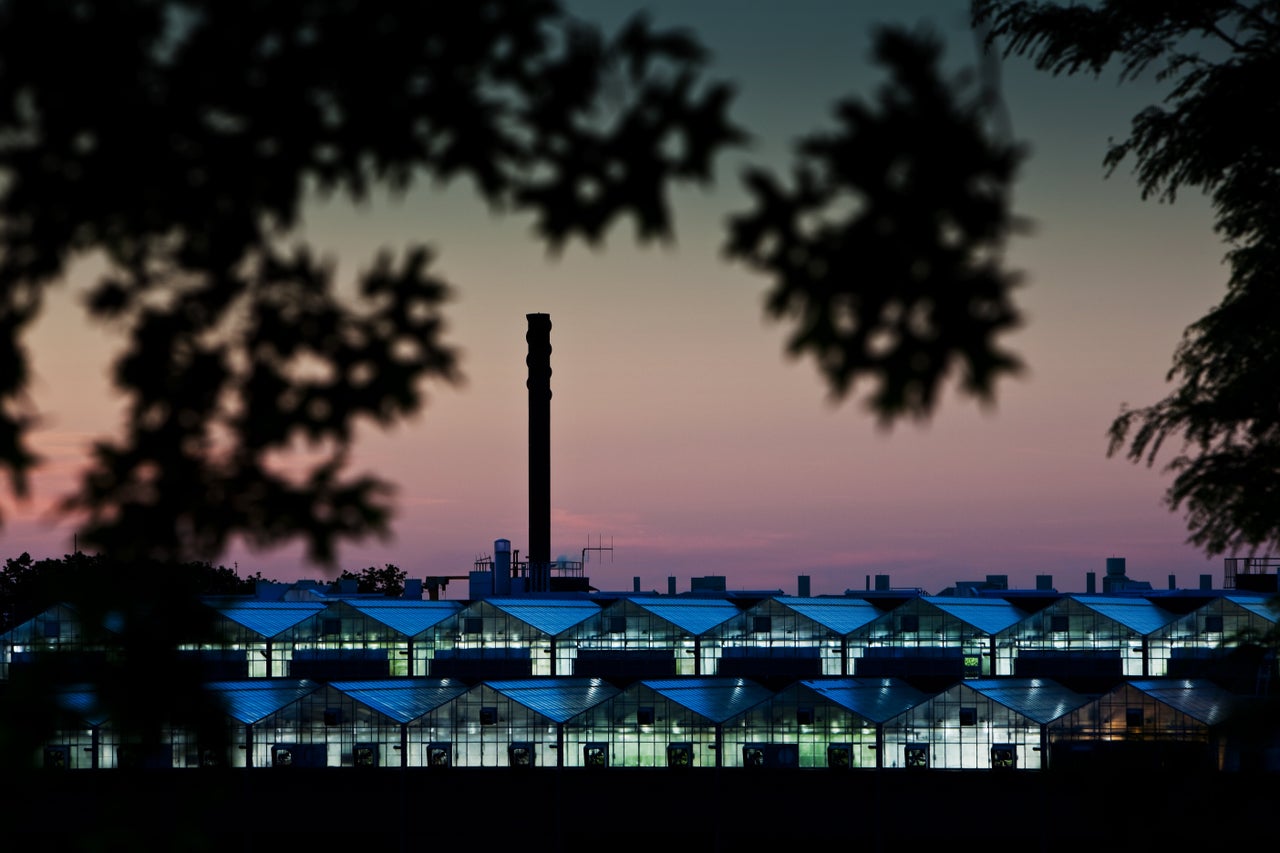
(962, 729)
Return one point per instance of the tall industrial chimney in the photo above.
(539, 385)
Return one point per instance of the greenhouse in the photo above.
(1149, 721)
(257, 637)
(830, 722)
(1225, 637)
(641, 636)
(682, 722)
(995, 723)
(513, 638)
(57, 629)
(1082, 635)
(792, 637)
(937, 637)
(525, 723)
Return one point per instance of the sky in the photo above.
(681, 433)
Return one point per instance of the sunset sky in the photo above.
(680, 431)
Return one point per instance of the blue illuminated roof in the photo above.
(558, 700)
(1198, 698)
(1136, 614)
(989, 615)
(407, 616)
(716, 699)
(402, 699)
(694, 615)
(250, 701)
(550, 616)
(83, 702)
(873, 699)
(1037, 699)
(839, 615)
(268, 618)
(1259, 605)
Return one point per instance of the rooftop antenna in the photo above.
(599, 546)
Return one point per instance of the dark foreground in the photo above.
(616, 809)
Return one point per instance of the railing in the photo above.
(1233, 566)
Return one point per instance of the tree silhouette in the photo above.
(1215, 132)
(183, 155)
(886, 250)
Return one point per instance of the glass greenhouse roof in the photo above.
(548, 616)
(1198, 698)
(250, 701)
(268, 618)
(557, 700)
(402, 699)
(83, 703)
(407, 616)
(716, 699)
(1036, 699)
(1259, 605)
(874, 699)
(988, 615)
(839, 615)
(694, 615)
(1136, 614)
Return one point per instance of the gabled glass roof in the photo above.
(83, 702)
(716, 699)
(989, 615)
(268, 618)
(407, 616)
(1136, 614)
(839, 615)
(1259, 605)
(874, 699)
(1036, 699)
(559, 699)
(402, 699)
(694, 615)
(1198, 698)
(551, 616)
(250, 701)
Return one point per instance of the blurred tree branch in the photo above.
(886, 250)
(182, 143)
(1215, 132)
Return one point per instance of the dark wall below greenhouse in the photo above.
(616, 809)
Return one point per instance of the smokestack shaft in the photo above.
(538, 338)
